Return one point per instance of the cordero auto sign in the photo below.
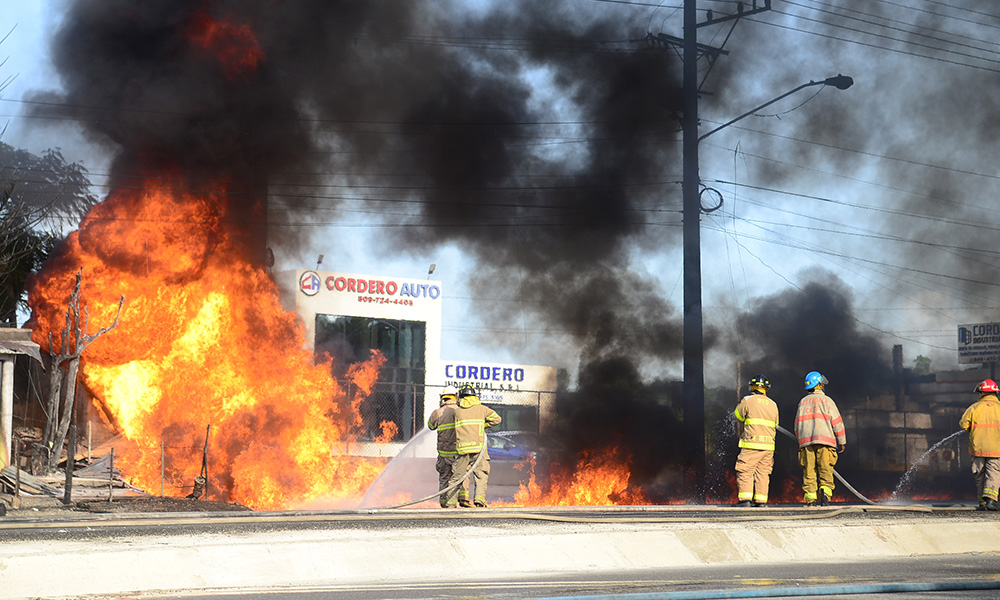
(370, 290)
(979, 343)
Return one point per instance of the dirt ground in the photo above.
(43, 505)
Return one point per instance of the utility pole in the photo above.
(693, 390)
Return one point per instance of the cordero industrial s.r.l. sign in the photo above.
(979, 343)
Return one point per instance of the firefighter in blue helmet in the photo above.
(822, 436)
(757, 418)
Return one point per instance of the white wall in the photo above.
(369, 296)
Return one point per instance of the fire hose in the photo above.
(451, 487)
(812, 591)
(835, 473)
(482, 453)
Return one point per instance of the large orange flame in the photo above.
(598, 479)
(203, 347)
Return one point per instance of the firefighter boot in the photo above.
(991, 504)
(823, 500)
(743, 504)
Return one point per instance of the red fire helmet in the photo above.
(987, 386)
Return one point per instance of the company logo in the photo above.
(382, 287)
(964, 336)
(484, 373)
(309, 283)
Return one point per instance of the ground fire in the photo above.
(598, 479)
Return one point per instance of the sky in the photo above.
(532, 153)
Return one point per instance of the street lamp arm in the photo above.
(841, 82)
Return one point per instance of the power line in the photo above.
(866, 44)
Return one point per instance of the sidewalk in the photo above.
(399, 546)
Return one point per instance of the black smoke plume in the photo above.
(814, 328)
(450, 114)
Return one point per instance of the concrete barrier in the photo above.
(496, 545)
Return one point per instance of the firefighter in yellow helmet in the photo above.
(822, 436)
(471, 421)
(443, 420)
(982, 421)
(757, 418)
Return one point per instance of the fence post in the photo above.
(538, 411)
(111, 476)
(70, 463)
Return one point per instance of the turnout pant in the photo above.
(817, 463)
(444, 467)
(753, 474)
(478, 481)
(987, 473)
(464, 462)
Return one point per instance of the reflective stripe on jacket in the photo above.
(758, 415)
(818, 421)
(471, 421)
(982, 421)
(443, 420)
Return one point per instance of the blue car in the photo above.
(502, 446)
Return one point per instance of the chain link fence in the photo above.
(395, 412)
(884, 440)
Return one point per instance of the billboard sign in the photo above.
(500, 383)
(979, 343)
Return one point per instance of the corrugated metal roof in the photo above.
(29, 348)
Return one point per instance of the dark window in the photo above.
(516, 417)
(398, 394)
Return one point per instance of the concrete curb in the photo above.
(448, 551)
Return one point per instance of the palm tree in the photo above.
(40, 198)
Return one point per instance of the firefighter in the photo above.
(758, 417)
(982, 421)
(822, 436)
(443, 420)
(471, 421)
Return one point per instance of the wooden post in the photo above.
(70, 463)
(204, 460)
(17, 467)
(162, 469)
(111, 476)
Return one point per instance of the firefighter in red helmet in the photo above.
(757, 416)
(982, 421)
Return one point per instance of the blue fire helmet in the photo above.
(813, 378)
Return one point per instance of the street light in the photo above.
(841, 82)
(693, 390)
